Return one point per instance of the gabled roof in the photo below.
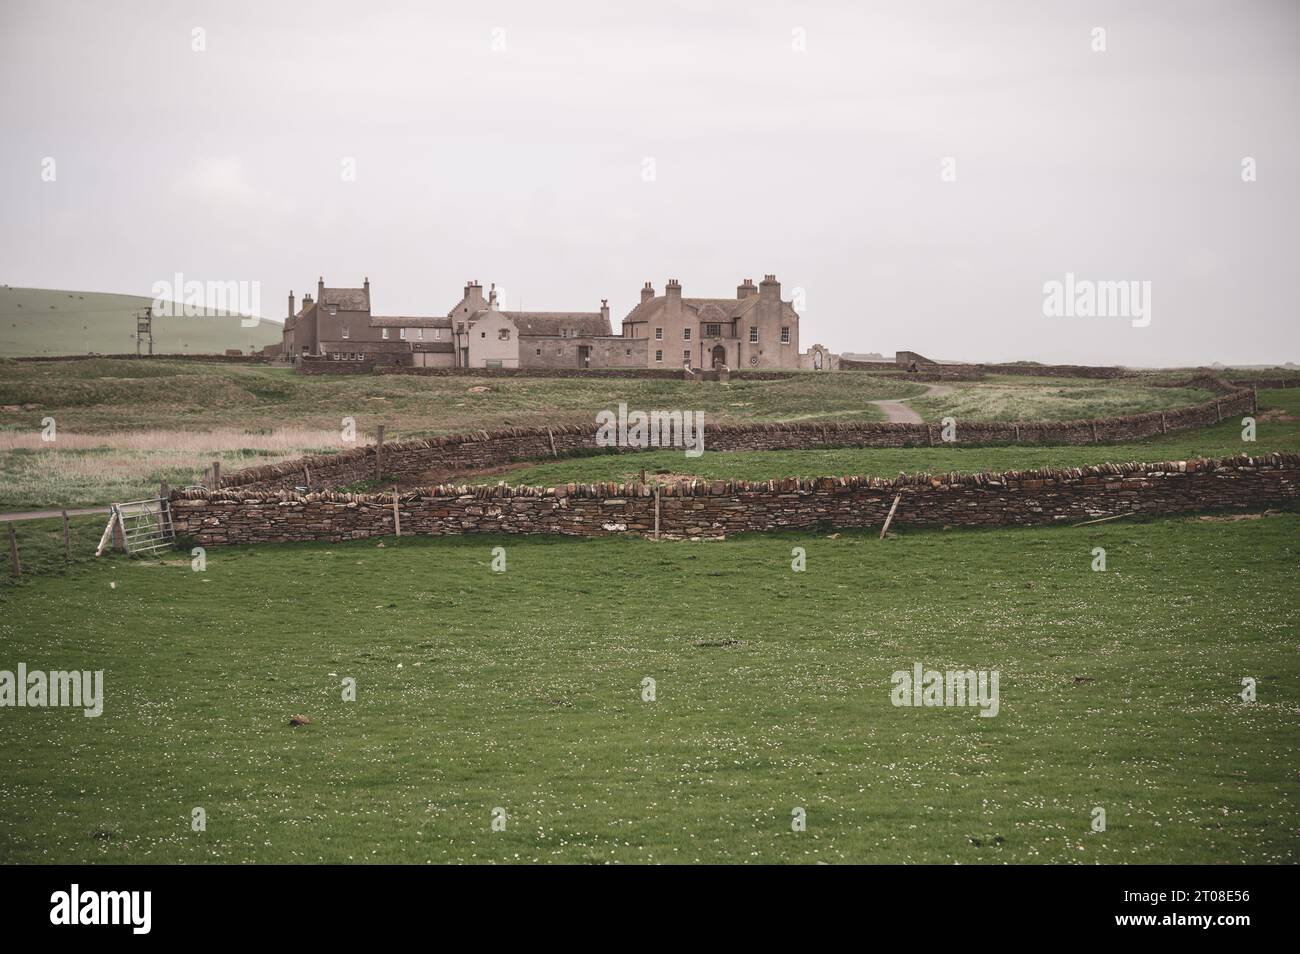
(706, 309)
(347, 299)
(551, 323)
(304, 313)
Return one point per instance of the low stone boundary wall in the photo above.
(655, 374)
(717, 508)
(410, 460)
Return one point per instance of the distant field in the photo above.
(522, 690)
(38, 321)
(126, 425)
(1007, 398)
(1277, 429)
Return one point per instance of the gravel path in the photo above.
(896, 412)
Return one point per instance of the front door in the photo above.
(719, 356)
(584, 356)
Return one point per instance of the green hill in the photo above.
(41, 321)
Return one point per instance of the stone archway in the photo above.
(719, 356)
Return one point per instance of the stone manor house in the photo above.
(755, 329)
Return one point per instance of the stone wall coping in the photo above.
(1012, 479)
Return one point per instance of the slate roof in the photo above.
(706, 309)
(551, 323)
(347, 299)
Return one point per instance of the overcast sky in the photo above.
(527, 166)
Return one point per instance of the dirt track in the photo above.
(897, 412)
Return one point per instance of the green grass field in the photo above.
(1008, 398)
(124, 426)
(1277, 429)
(42, 321)
(522, 690)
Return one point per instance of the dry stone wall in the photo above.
(718, 508)
(405, 461)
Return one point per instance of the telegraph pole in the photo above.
(144, 329)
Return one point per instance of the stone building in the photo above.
(338, 324)
(756, 329)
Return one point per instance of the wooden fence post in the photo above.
(889, 519)
(67, 543)
(397, 515)
(379, 454)
(216, 475)
(15, 567)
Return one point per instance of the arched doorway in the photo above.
(719, 356)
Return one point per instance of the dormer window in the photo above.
(334, 309)
(345, 332)
(384, 334)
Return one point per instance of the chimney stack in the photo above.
(746, 289)
(474, 296)
(604, 309)
(770, 288)
(320, 288)
(290, 303)
(366, 285)
(647, 292)
(673, 290)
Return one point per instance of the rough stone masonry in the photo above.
(700, 508)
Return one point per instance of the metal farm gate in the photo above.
(139, 527)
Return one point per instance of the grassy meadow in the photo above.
(522, 690)
(124, 426)
(42, 321)
(1008, 398)
(1277, 429)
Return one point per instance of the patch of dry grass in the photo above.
(78, 470)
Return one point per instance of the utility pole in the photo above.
(144, 329)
